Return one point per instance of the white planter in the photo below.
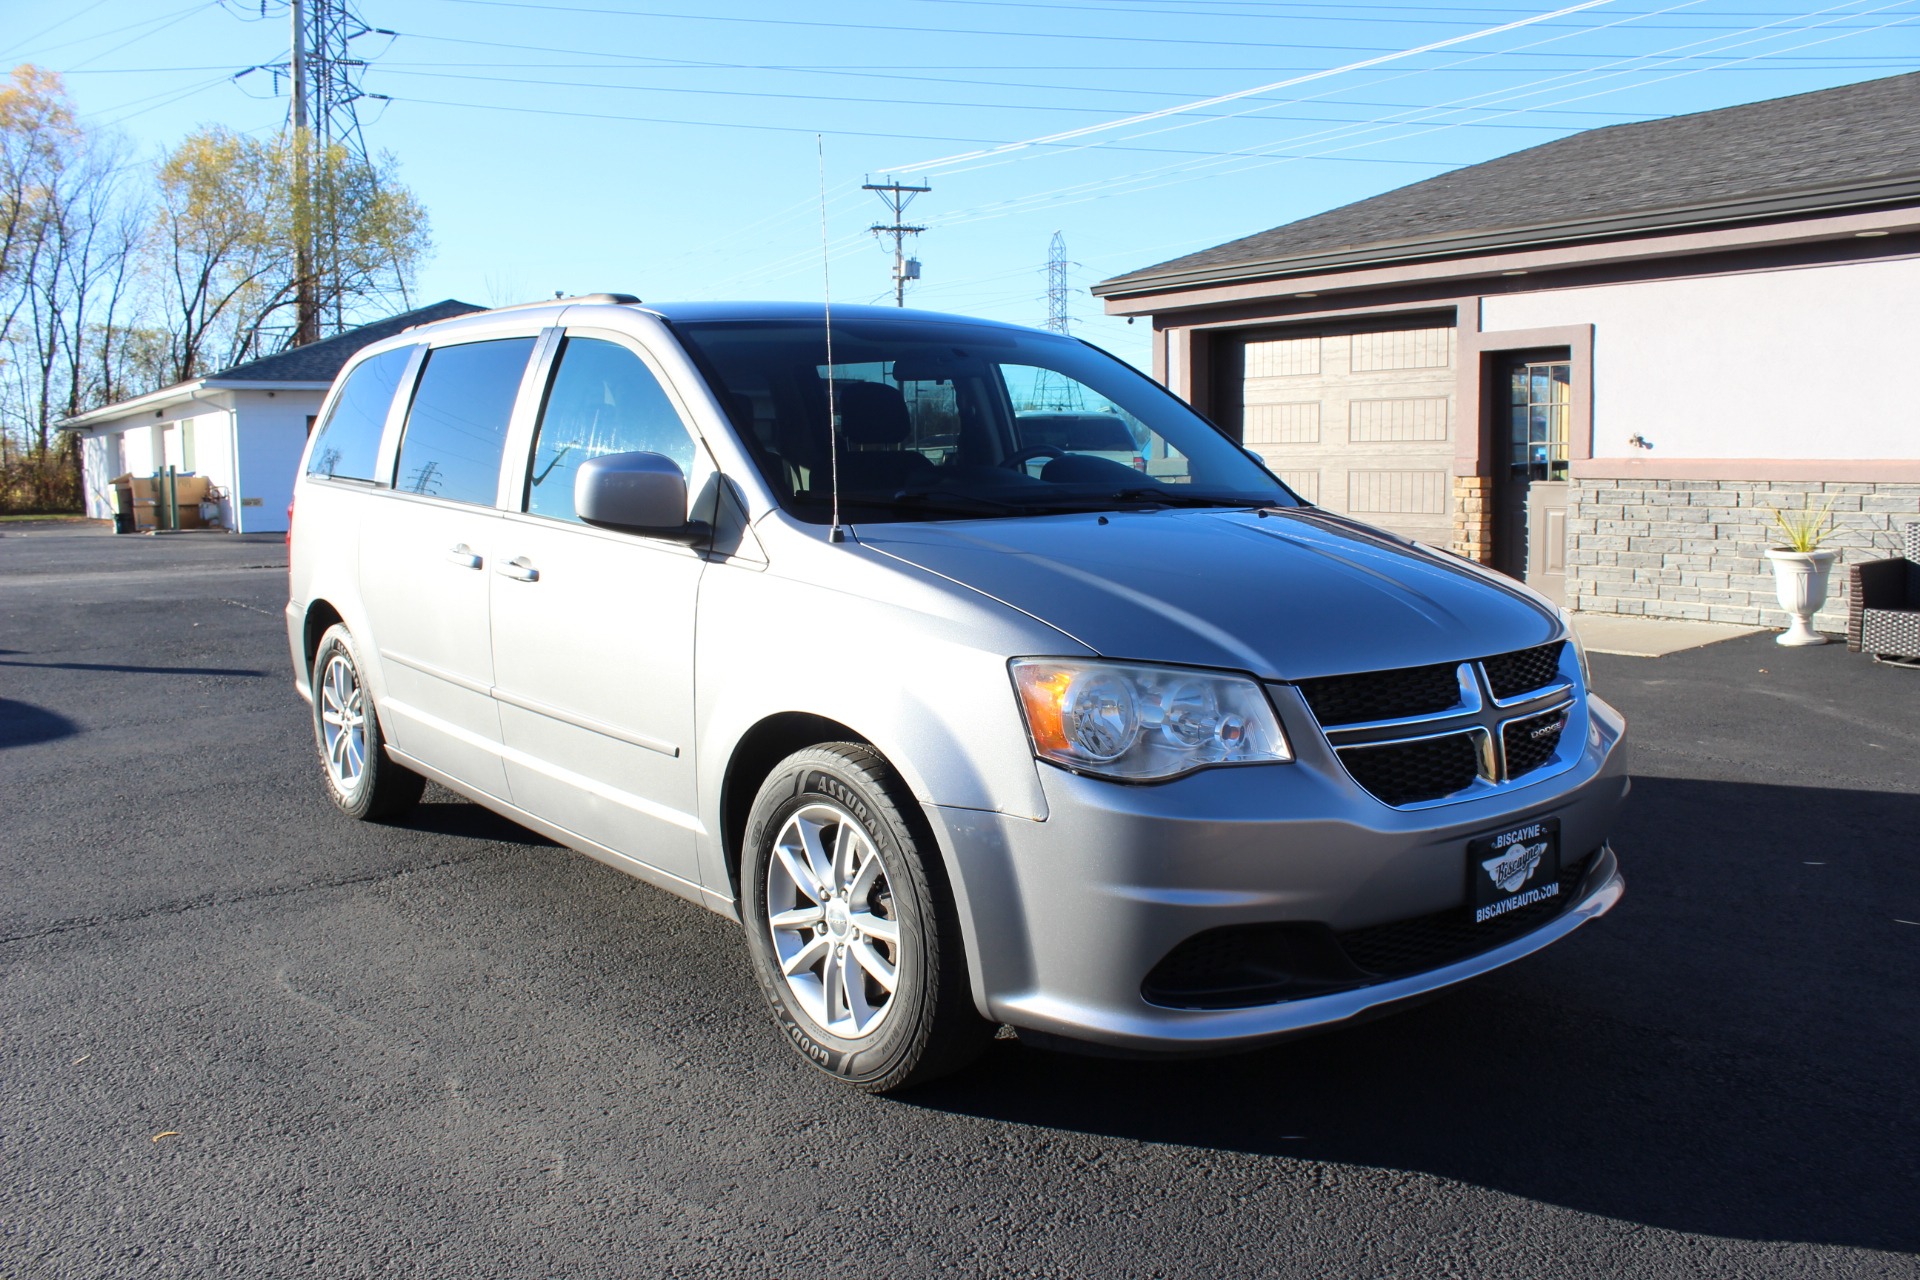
(1800, 584)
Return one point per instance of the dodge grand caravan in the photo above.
(784, 618)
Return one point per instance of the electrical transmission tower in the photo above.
(1053, 391)
(1057, 319)
(327, 138)
(897, 196)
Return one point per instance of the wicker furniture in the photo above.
(1883, 604)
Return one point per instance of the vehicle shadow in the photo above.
(23, 724)
(446, 814)
(1729, 1053)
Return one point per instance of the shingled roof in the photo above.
(321, 361)
(1850, 148)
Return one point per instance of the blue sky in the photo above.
(667, 147)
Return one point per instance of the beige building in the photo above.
(1599, 364)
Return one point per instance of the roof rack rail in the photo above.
(623, 299)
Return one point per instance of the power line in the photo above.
(831, 133)
(398, 70)
(876, 71)
(1344, 14)
(156, 23)
(1092, 190)
(898, 29)
(1070, 134)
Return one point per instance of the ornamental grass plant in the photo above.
(1805, 530)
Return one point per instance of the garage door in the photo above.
(1357, 421)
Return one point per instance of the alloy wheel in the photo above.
(343, 720)
(830, 913)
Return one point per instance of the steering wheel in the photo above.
(1018, 460)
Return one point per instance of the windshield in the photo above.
(940, 420)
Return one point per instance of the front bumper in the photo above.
(1065, 918)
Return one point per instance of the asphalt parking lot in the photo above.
(450, 1048)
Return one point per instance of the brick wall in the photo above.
(1694, 548)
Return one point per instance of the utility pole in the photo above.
(1057, 319)
(897, 196)
(306, 306)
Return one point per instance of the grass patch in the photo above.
(62, 518)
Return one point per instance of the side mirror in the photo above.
(641, 493)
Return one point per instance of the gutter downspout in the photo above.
(233, 443)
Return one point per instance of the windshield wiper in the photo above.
(947, 500)
(1172, 497)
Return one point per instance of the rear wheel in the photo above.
(852, 929)
(362, 780)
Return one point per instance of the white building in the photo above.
(243, 428)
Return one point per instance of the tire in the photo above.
(841, 884)
(362, 780)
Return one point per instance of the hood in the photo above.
(1289, 595)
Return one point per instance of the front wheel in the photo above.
(851, 926)
(360, 777)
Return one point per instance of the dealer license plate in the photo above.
(1513, 868)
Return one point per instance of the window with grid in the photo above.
(1540, 413)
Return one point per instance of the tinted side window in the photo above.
(349, 443)
(603, 400)
(457, 426)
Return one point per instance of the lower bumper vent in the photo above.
(1403, 947)
(1242, 966)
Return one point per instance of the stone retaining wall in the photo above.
(1473, 518)
(1694, 548)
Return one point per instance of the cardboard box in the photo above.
(148, 499)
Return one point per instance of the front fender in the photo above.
(905, 660)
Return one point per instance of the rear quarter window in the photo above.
(348, 443)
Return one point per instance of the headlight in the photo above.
(1144, 724)
(1579, 650)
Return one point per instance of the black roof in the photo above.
(321, 361)
(811, 312)
(1854, 147)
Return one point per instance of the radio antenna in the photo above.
(835, 533)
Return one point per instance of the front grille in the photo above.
(1530, 743)
(1383, 695)
(1512, 674)
(1415, 735)
(1409, 772)
(1403, 947)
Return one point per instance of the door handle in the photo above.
(519, 570)
(464, 556)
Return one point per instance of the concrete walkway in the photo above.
(1651, 637)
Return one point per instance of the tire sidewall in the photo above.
(813, 778)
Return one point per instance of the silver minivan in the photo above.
(782, 616)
